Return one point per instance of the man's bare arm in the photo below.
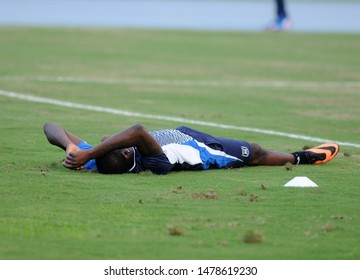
(134, 136)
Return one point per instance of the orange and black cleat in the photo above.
(317, 155)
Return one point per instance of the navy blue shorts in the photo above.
(236, 148)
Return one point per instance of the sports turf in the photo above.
(49, 212)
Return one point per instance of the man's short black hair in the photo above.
(113, 162)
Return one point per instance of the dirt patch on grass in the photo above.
(347, 154)
(253, 237)
(329, 228)
(209, 194)
(177, 189)
(289, 166)
(340, 217)
(242, 192)
(253, 197)
(176, 231)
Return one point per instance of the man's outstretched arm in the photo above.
(134, 136)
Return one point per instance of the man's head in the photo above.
(115, 162)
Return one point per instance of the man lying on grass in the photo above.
(134, 150)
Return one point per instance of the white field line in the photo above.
(37, 99)
(185, 83)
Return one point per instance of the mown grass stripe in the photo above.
(185, 83)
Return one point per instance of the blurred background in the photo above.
(237, 15)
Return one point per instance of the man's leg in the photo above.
(58, 136)
(317, 155)
(280, 9)
(261, 156)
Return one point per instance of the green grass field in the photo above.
(49, 212)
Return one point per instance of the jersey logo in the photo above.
(245, 151)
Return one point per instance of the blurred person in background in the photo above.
(282, 21)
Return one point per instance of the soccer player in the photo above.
(134, 150)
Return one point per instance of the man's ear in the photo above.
(126, 153)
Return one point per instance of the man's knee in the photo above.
(258, 153)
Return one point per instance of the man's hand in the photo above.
(75, 160)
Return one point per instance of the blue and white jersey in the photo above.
(188, 149)
(170, 136)
(158, 164)
(194, 155)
